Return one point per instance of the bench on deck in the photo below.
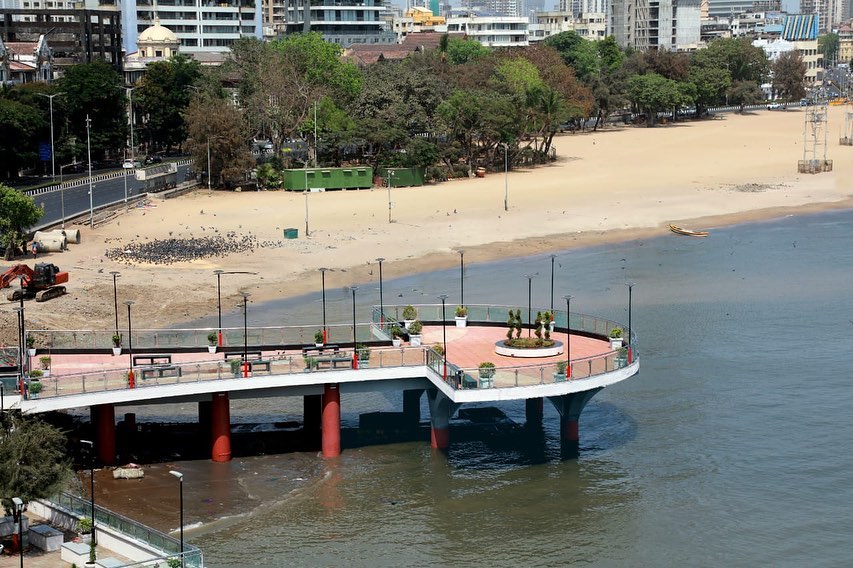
(250, 355)
(333, 360)
(152, 359)
(313, 351)
(160, 371)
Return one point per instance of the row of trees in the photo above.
(450, 110)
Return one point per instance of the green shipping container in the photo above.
(355, 177)
(291, 233)
(403, 177)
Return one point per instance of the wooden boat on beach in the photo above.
(687, 232)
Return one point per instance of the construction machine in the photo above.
(41, 282)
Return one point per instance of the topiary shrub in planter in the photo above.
(415, 329)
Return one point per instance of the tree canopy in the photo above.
(17, 213)
(33, 460)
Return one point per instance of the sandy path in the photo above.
(606, 186)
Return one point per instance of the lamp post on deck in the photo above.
(462, 278)
(115, 274)
(245, 334)
(91, 445)
(568, 299)
(529, 302)
(19, 511)
(323, 284)
(131, 382)
(180, 477)
(630, 286)
(443, 298)
(353, 288)
(553, 256)
(381, 304)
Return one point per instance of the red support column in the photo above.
(569, 430)
(106, 424)
(220, 427)
(439, 438)
(331, 421)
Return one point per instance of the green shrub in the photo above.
(487, 369)
(410, 313)
(415, 327)
(318, 336)
(616, 332)
(212, 338)
(461, 311)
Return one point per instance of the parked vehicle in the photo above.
(774, 106)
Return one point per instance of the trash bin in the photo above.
(291, 233)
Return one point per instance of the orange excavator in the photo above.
(42, 282)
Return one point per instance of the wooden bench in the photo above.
(160, 371)
(250, 355)
(313, 351)
(333, 360)
(265, 363)
(152, 359)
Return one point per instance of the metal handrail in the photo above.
(169, 546)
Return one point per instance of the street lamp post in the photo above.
(568, 299)
(389, 197)
(553, 256)
(219, 273)
(89, 153)
(307, 234)
(19, 311)
(180, 477)
(529, 302)
(462, 278)
(245, 334)
(19, 511)
(444, 332)
(630, 349)
(91, 445)
(115, 274)
(353, 288)
(381, 303)
(209, 173)
(506, 179)
(323, 280)
(52, 152)
(131, 382)
(129, 91)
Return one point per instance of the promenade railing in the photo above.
(168, 546)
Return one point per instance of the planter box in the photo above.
(211, 348)
(45, 537)
(615, 343)
(415, 340)
(8, 526)
(116, 351)
(461, 321)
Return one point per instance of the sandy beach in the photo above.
(614, 185)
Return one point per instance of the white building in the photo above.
(200, 25)
(672, 25)
(491, 31)
(345, 22)
(591, 26)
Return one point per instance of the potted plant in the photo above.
(310, 363)
(35, 386)
(363, 352)
(235, 366)
(622, 357)
(318, 338)
(415, 333)
(487, 372)
(548, 320)
(438, 348)
(31, 345)
(396, 336)
(461, 316)
(44, 361)
(116, 344)
(560, 375)
(84, 529)
(615, 338)
(410, 314)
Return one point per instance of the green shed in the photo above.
(403, 177)
(354, 177)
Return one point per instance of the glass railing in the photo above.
(168, 546)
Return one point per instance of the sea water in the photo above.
(732, 447)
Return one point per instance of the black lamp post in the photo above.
(91, 482)
(245, 334)
(19, 510)
(462, 278)
(323, 280)
(529, 302)
(630, 290)
(381, 303)
(180, 477)
(115, 274)
(553, 256)
(218, 295)
(20, 313)
(131, 382)
(444, 332)
(353, 288)
(568, 335)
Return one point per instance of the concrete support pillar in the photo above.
(220, 427)
(130, 421)
(441, 409)
(331, 443)
(204, 414)
(412, 407)
(105, 416)
(570, 407)
(533, 411)
(312, 406)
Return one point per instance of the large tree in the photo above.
(827, 45)
(22, 129)
(578, 53)
(652, 93)
(218, 133)
(33, 460)
(710, 86)
(744, 61)
(789, 76)
(163, 95)
(96, 90)
(18, 212)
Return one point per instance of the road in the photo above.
(74, 195)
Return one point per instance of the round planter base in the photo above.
(556, 349)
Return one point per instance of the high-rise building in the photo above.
(345, 22)
(673, 25)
